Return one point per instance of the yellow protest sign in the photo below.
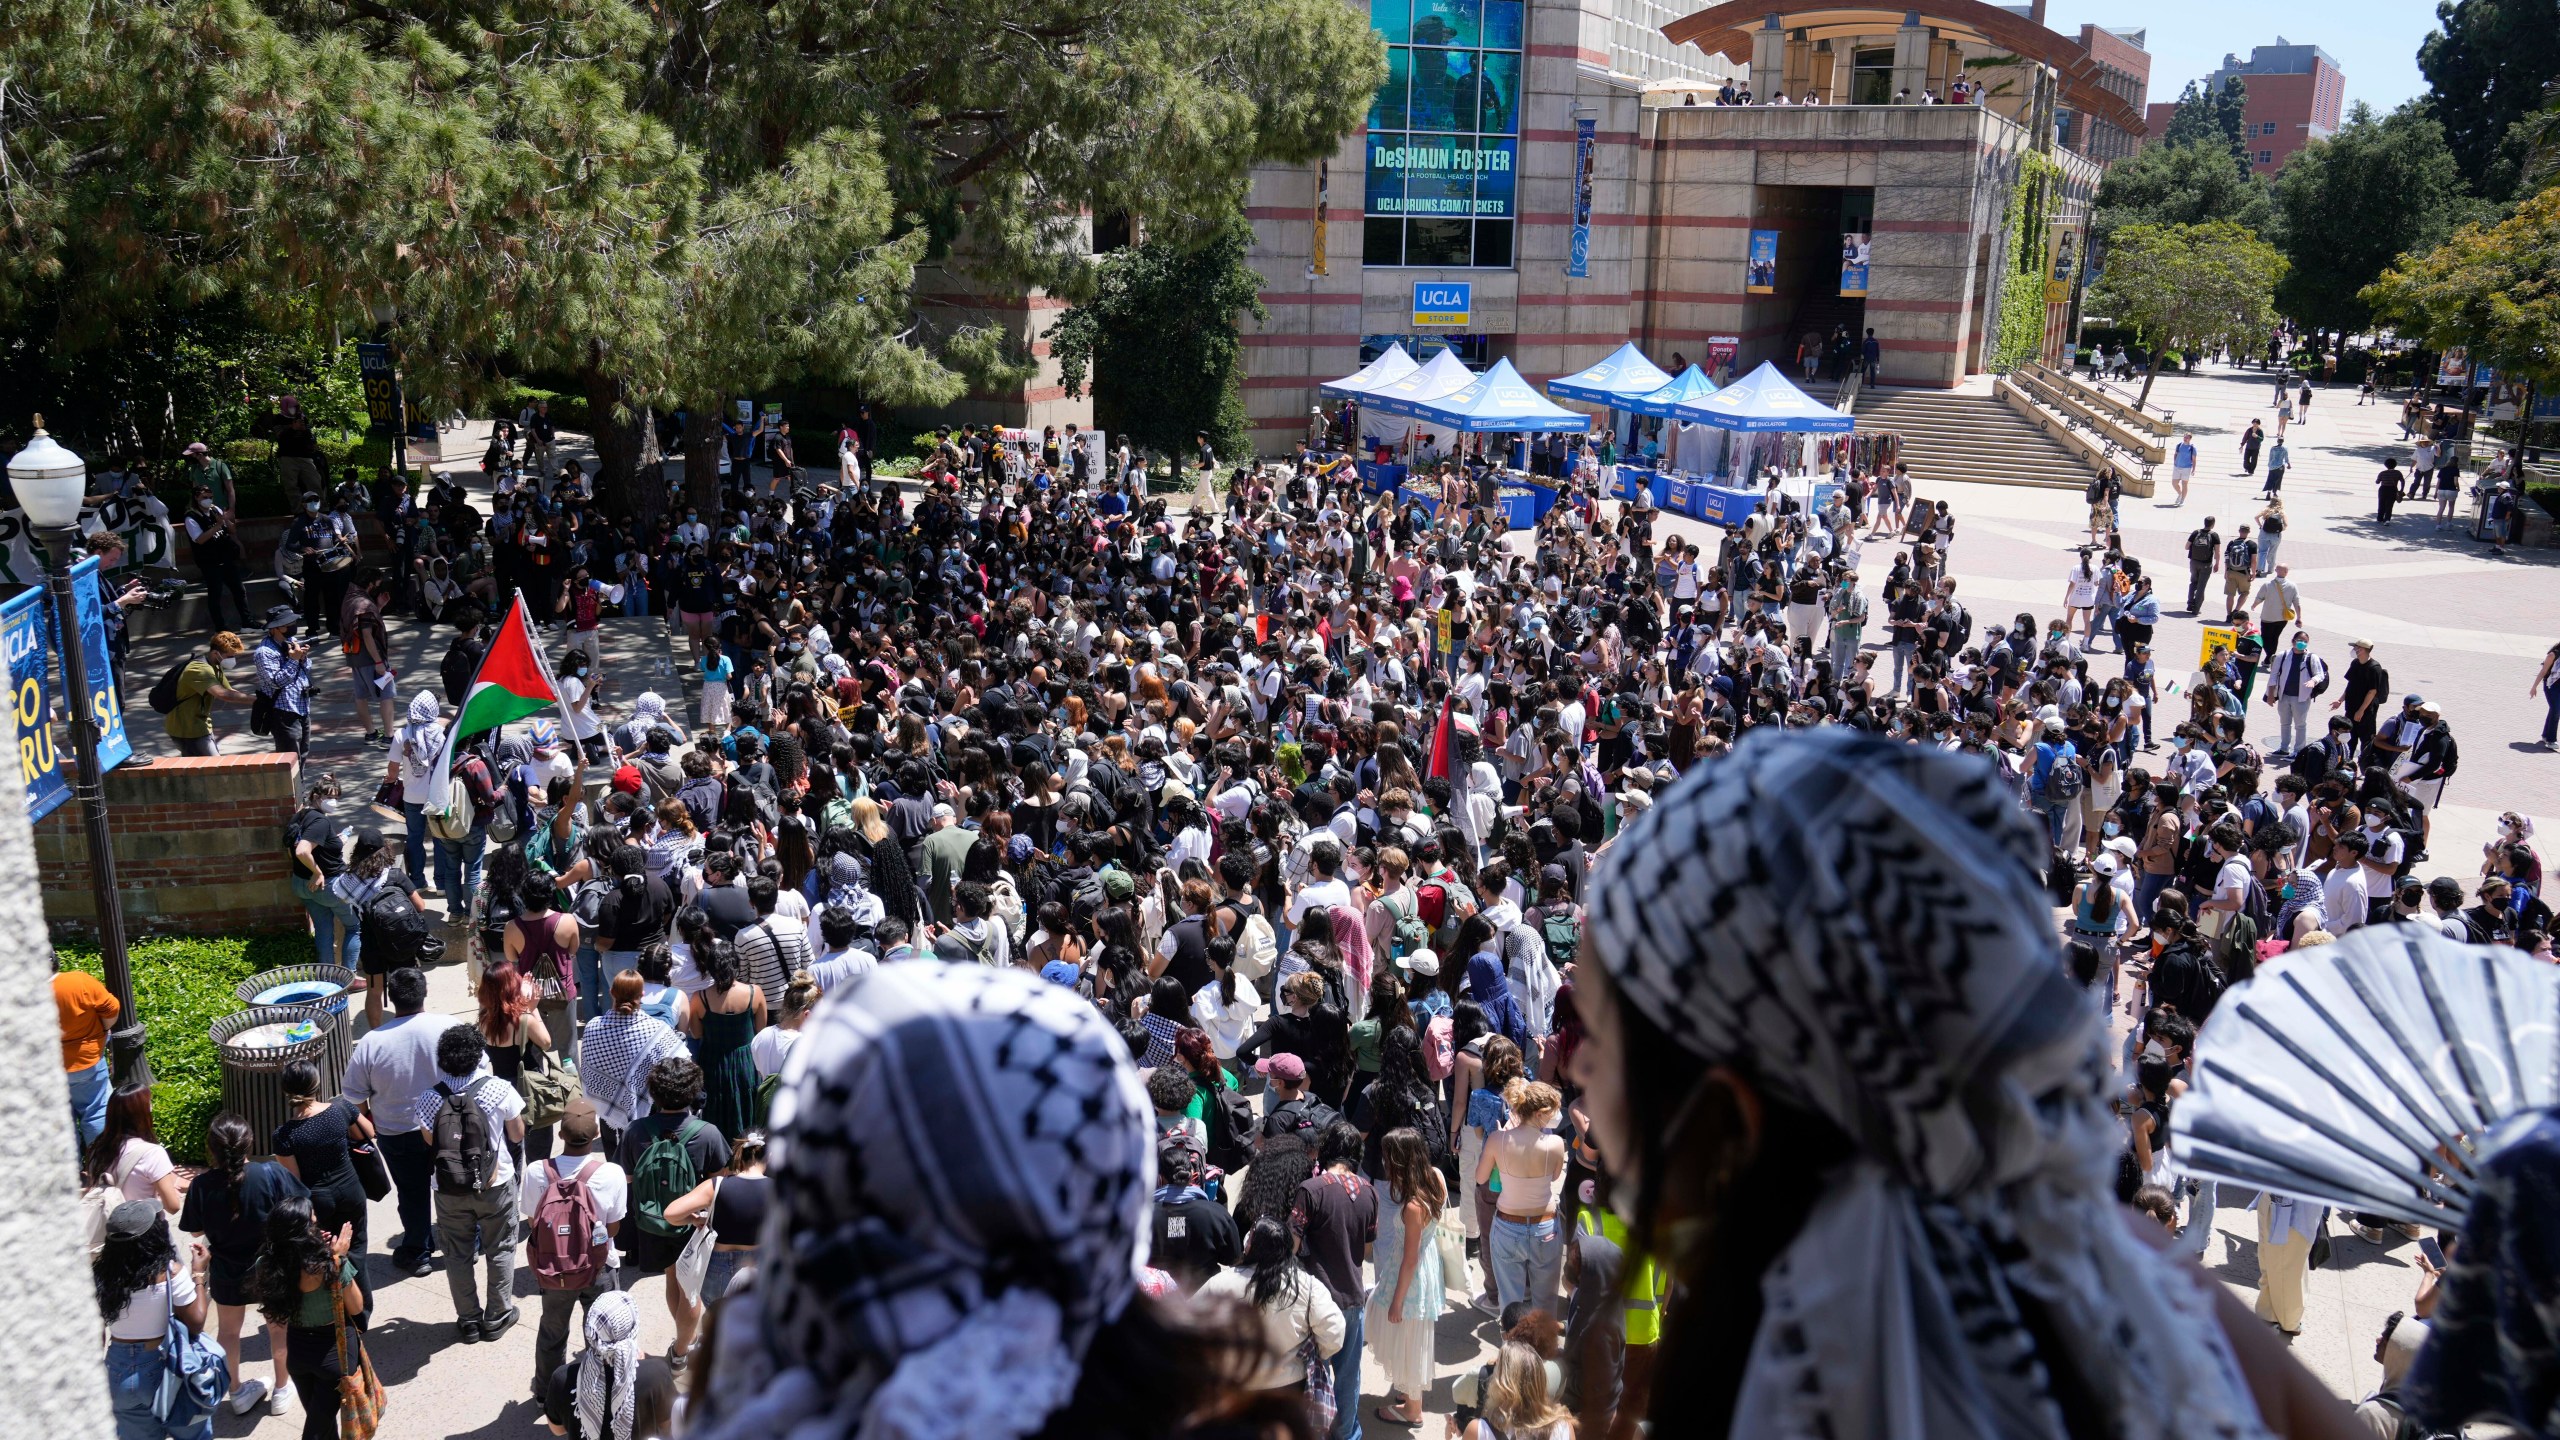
(2217, 639)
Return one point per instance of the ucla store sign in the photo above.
(1442, 302)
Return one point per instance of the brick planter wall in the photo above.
(199, 849)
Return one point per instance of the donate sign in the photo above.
(1442, 302)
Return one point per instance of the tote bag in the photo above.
(359, 1390)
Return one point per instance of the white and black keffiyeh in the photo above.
(961, 1173)
(1857, 925)
(608, 1373)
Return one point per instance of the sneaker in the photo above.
(246, 1398)
(432, 893)
(492, 1329)
(277, 1402)
(468, 1331)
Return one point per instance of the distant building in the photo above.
(2124, 70)
(2294, 92)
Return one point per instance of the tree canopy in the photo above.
(1158, 337)
(2354, 202)
(675, 201)
(2493, 288)
(2211, 116)
(2192, 182)
(2489, 65)
(2191, 287)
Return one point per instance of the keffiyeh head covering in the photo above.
(961, 1167)
(1857, 925)
(608, 1378)
(2493, 1348)
(423, 736)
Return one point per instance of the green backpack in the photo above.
(665, 1175)
(1410, 934)
(1562, 935)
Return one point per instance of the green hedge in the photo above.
(181, 985)
(2546, 496)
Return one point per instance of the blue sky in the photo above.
(2374, 41)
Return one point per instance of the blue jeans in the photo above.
(2054, 812)
(590, 983)
(133, 1382)
(458, 870)
(90, 1091)
(1346, 1375)
(1525, 1260)
(331, 917)
(415, 850)
(2146, 889)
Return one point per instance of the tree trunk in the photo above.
(702, 457)
(2143, 400)
(621, 490)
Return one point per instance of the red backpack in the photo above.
(565, 1253)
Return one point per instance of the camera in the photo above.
(162, 586)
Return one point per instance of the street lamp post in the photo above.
(50, 482)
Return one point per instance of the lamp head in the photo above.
(49, 481)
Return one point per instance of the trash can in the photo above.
(255, 1045)
(323, 992)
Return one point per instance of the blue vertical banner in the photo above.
(381, 387)
(98, 691)
(1760, 271)
(26, 633)
(1585, 146)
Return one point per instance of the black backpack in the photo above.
(1230, 1122)
(466, 1155)
(397, 933)
(164, 693)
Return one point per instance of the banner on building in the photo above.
(1760, 273)
(1722, 352)
(381, 388)
(1585, 147)
(149, 538)
(1853, 264)
(1324, 186)
(99, 690)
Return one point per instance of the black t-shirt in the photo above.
(1190, 962)
(1192, 1239)
(729, 909)
(632, 922)
(232, 1220)
(324, 832)
(652, 1406)
(318, 1145)
(1337, 1220)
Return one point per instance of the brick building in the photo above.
(1468, 183)
(2293, 96)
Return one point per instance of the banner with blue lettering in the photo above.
(1585, 146)
(26, 630)
(99, 694)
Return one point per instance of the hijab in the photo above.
(1492, 993)
(1858, 925)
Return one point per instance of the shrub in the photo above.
(2546, 496)
(181, 985)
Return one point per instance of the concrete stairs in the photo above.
(1969, 437)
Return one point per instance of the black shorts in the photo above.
(647, 1254)
(228, 1278)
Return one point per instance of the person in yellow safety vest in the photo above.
(1600, 1261)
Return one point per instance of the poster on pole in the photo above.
(2453, 365)
(1760, 272)
(381, 387)
(98, 690)
(26, 630)
(1585, 146)
(1324, 186)
(1853, 264)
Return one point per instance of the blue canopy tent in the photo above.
(1445, 373)
(1361, 383)
(1625, 375)
(1763, 401)
(1665, 401)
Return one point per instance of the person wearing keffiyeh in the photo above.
(611, 1391)
(1842, 1085)
(962, 1175)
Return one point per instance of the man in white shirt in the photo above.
(2345, 896)
(482, 1212)
(2230, 881)
(842, 961)
(611, 1189)
(1326, 890)
(390, 1068)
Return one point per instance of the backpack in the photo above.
(1562, 934)
(1409, 933)
(466, 1154)
(506, 816)
(399, 933)
(1257, 944)
(2238, 555)
(744, 803)
(2096, 492)
(453, 815)
(2065, 778)
(664, 1175)
(762, 1107)
(1004, 905)
(1231, 1125)
(1306, 1117)
(562, 1248)
(2201, 546)
(164, 692)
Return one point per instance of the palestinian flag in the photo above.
(513, 681)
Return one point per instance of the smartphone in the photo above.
(2428, 1246)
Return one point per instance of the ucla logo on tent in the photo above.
(1442, 302)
